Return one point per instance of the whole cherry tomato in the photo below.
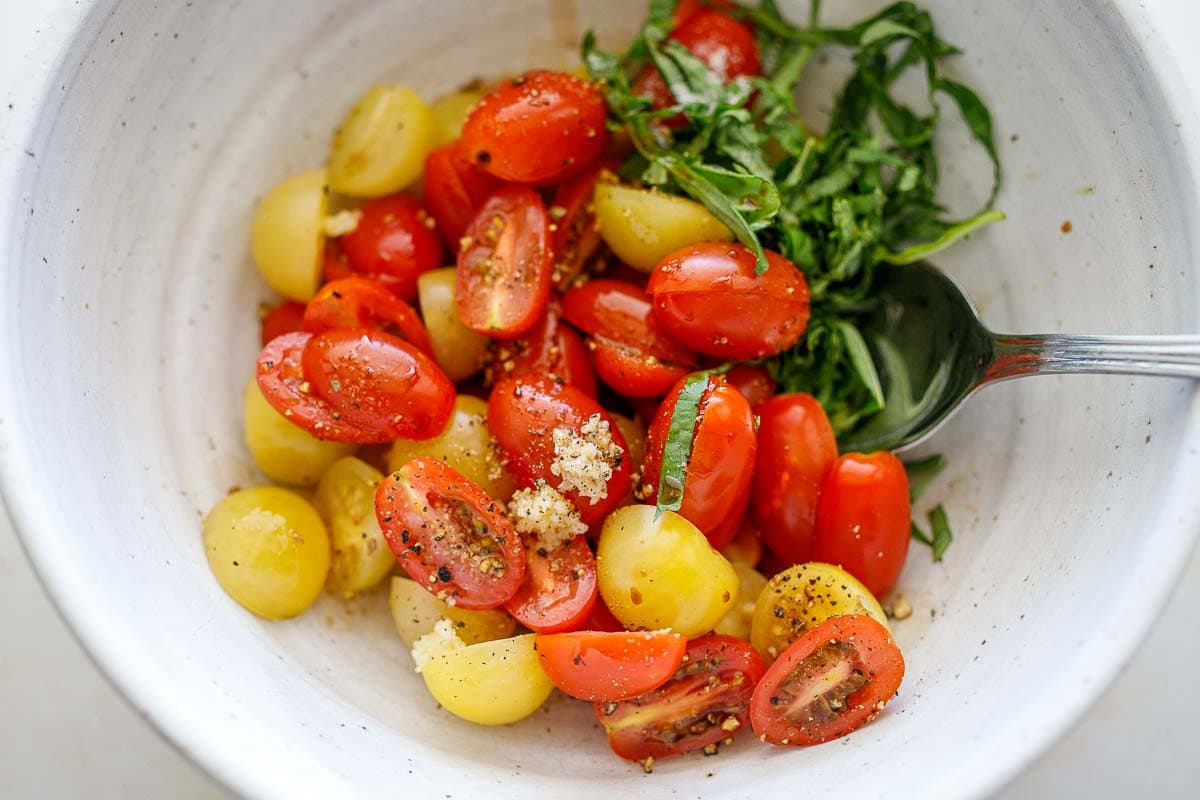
(708, 298)
(689, 8)
(454, 190)
(550, 348)
(287, 317)
(539, 127)
(394, 242)
(364, 303)
(725, 45)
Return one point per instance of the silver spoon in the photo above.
(932, 353)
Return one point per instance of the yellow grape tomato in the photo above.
(644, 227)
(751, 582)
(284, 451)
(415, 611)
(457, 349)
(381, 145)
(345, 498)
(491, 683)
(287, 235)
(450, 112)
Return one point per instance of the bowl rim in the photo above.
(40, 36)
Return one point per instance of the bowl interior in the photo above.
(132, 329)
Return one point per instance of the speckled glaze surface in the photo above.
(136, 139)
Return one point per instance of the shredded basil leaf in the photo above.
(920, 535)
(921, 474)
(941, 531)
(677, 450)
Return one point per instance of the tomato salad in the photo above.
(598, 452)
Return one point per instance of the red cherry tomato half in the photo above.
(601, 619)
(716, 487)
(551, 349)
(281, 378)
(755, 383)
(454, 190)
(576, 234)
(524, 414)
(725, 45)
(704, 703)
(707, 297)
(364, 303)
(539, 127)
(796, 448)
(559, 591)
(287, 317)
(863, 519)
(394, 242)
(831, 681)
(379, 384)
(606, 667)
(449, 536)
(502, 283)
(630, 351)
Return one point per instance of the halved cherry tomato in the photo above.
(629, 350)
(576, 235)
(379, 383)
(283, 383)
(454, 190)
(720, 41)
(287, 317)
(364, 303)
(524, 415)
(550, 348)
(539, 127)
(716, 487)
(449, 536)
(559, 590)
(707, 297)
(606, 667)
(755, 383)
(394, 242)
(831, 681)
(601, 619)
(796, 448)
(700, 707)
(863, 519)
(503, 278)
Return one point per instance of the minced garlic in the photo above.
(545, 513)
(342, 223)
(442, 639)
(586, 460)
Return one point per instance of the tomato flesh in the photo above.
(703, 705)
(364, 303)
(551, 349)
(608, 667)
(394, 242)
(287, 317)
(831, 681)
(559, 590)
(502, 282)
(454, 190)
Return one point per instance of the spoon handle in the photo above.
(1169, 356)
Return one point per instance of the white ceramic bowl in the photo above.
(135, 141)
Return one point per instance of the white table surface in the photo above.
(67, 733)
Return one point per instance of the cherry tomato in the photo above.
(720, 41)
(364, 303)
(863, 519)
(379, 383)
(539, 127)
(601, 619)
(689, 8)
(527, 415)
(606, 667)
(832, 680)
(394, 242)
(335, 265)
(283, 383)
(454, 190)
(707, 297)
(629, 349)
(576, 234)
(503, 278)
(449, 536)
(548, 349)
(755, 383)
(700, 707)
(796, 448)
(287, 317)
(559, 591)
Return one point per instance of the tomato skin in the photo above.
(394, 242)
(550, 348)
(559, 590)
(502, 283)
(607, 667)
(855, 641)
(863, 519)
(601, 618)
(629, 349)
(576, 234)
(335, 265)
(379, 383)
(717, 678)
(523, 413)
(689, 8)
(754, 383)
(707, 297)
(717, 484)
(364, 303)
(539, 128)
(454, 190)
(796, 448)
(287, 317)
(449, 536)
